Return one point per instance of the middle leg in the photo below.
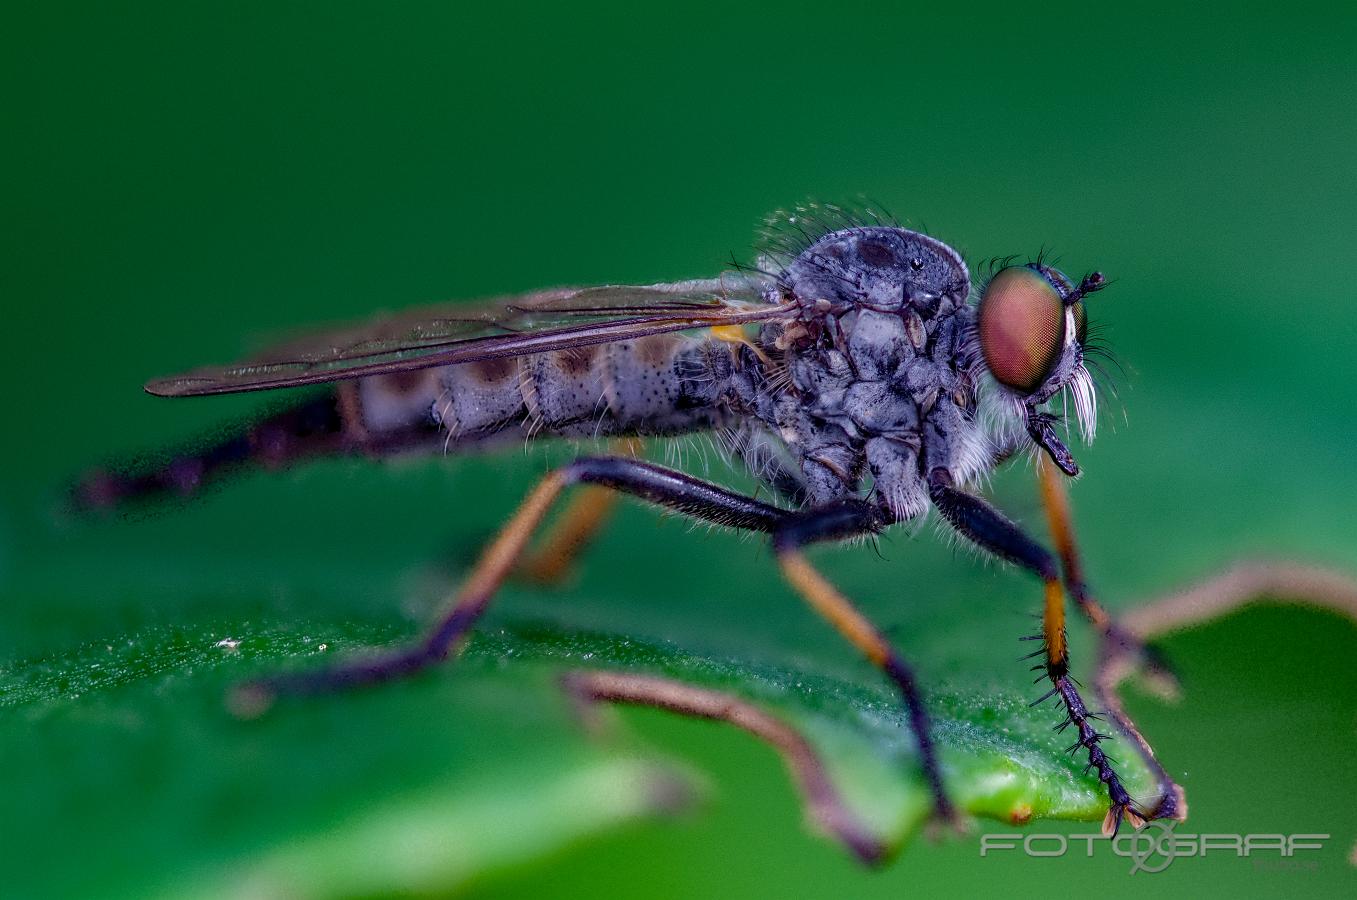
(837, 521)
(662, 487)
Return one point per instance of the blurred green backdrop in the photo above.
(179, 177)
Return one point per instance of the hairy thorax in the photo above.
(875, 407)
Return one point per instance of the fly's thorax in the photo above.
(880, 366)
(660, 384)
(888, 394)
(878, 267)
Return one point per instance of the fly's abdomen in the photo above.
(660, 384)
(563, 391)
(664, 384)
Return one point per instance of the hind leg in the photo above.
(663, 487)
(576, 528)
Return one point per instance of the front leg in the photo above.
(977, 520)
(1117, 640)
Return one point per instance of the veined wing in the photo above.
(512, 326)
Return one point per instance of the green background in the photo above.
(178, 178)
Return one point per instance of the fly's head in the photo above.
(1032, 330)
(881, 268)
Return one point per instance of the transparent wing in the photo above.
(510, 326)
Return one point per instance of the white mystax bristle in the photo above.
(1085, 396)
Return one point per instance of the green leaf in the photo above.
(157, 221)
(125, 637)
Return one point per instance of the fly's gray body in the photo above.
(873, 390)
(880, 373)
(876, 380)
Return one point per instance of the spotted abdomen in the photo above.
(661, 384)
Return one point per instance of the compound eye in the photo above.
(1022, 327)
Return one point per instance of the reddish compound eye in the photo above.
(1022, 327)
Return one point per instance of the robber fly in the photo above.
(854, 369)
